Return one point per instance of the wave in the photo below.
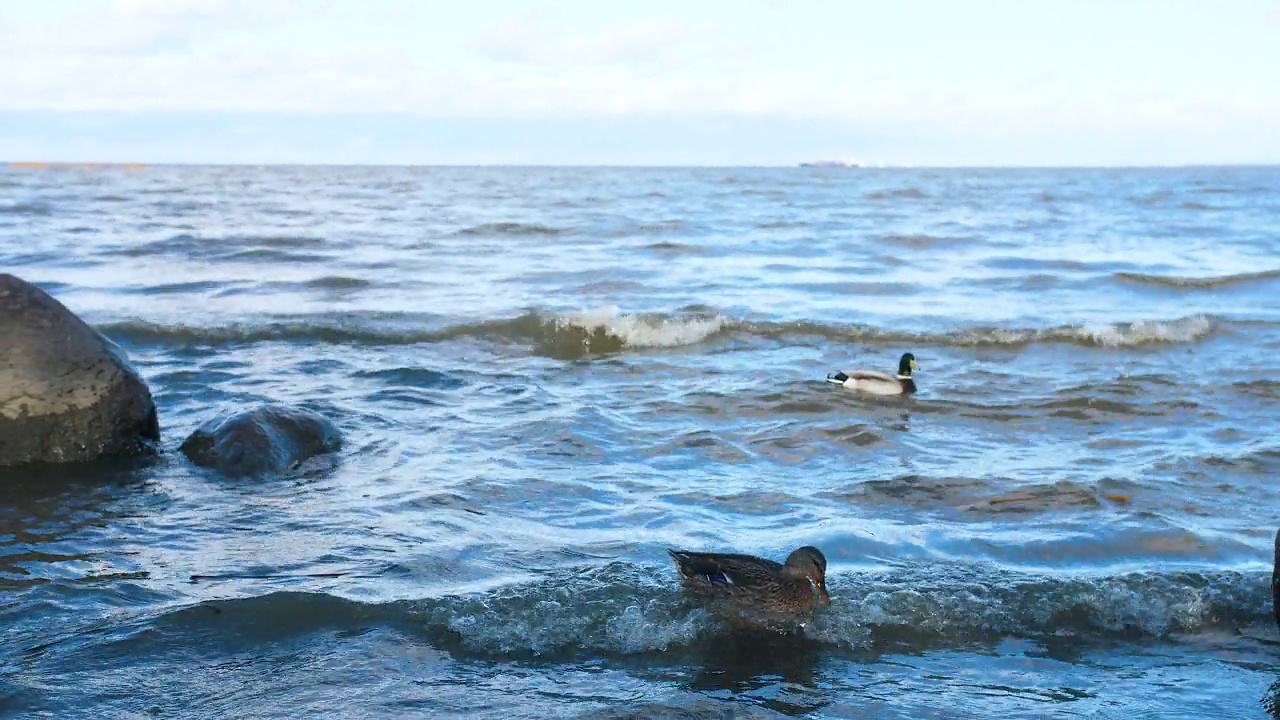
(608, 330)
(675, 247)
(413, 377)
(1144, 332)
(663, 227)
(898, 194)
(337, 282)
(1131, 334)
(921, 241)
(1262, 388)
(566, 336)
(509, 229)
(178, 288)
(282, 248)
(27, 208)
(980, 497)
(641, 331)
(1208, 282)
(624, 609)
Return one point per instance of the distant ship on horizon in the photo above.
(845, 163)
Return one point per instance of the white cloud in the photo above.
(244, 55)
(130, 27)
(186, 55)
(214, 55)
(242, 75)
(537, 39)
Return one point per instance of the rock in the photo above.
(1275, 580)
(67, 393)
(267, 439)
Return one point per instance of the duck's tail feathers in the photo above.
(1275, 580)
(837, 377)
(700, 567)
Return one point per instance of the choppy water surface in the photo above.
(547, 377)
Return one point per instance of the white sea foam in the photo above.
(640, 331)
(1143, 332)
(1183, 330)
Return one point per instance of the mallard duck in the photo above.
(755, 584)
(878, 383)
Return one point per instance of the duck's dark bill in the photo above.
(837, 378)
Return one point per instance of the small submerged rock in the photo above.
(265, 440)
(67, 393)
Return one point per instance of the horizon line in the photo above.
(143, 165)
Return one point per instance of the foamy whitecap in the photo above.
(1123, 334)
(653, 627)
(618, 608)
(1143, 332)
(608, 330)
(639, 331)
(624, 609)
(1147, 603)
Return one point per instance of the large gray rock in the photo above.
(265, 440)
(67, 394)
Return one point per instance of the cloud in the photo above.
(142, 55)
(537, 39)
(243, 75)
(315, 57)
(141, 27)
(213, 55)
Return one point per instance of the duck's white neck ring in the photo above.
(903, 377)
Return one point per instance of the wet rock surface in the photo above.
(265, 440)
(67, 393)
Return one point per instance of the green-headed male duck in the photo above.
(878, 383)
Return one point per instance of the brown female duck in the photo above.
(756, 584)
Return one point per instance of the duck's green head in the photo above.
(907, 364)
(809, 562)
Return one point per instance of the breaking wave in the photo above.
(626, 609)
(639, 331)
(609, 330)
(1132, 334)
(565, 336)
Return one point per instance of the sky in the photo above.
(658, 82)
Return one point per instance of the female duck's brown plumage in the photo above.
(753, 583)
